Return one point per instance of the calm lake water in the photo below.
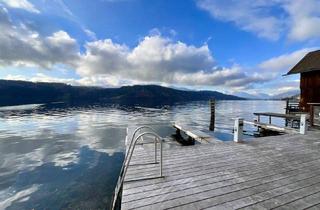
(59, 157)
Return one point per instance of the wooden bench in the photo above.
(193, 133)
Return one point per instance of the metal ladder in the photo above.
(157, 139)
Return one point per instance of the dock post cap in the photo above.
(238, 130)
(303, 124)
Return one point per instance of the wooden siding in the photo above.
(310, 89)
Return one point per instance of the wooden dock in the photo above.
(194, 133)
(272, 127)
(270, 172)
(279, 115)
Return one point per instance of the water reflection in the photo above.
(60, 156)
(77, 185)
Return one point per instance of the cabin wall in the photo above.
(310, 89)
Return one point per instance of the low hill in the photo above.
(293, 98)
(22, 92)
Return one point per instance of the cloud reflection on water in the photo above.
(69, 157)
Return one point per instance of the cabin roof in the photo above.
(310, 62)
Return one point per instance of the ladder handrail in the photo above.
(134, 143)
(132, 139)
(128, 158)
(136, 130)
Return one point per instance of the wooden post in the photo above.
(161, 165)
(303, 124)
(287, 112)
(212, 118)
(269, 119)
(238, 130)
(155, 149)
(311, 111)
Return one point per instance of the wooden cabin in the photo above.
(309, 70)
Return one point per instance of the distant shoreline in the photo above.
(14, 93)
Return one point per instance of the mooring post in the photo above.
(287, 106)
(269, 119)
(155, 149)
(161, 165)
(287, 112)
(238, 130)
(303, 124)
(212, 118)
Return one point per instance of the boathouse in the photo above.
(309, 69)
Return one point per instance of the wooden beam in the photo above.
(271, 127)
(193, 133)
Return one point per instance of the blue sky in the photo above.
(231, 46)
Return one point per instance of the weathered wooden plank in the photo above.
(241, 171)
(296, 155)
(186, 184)
(224, 170)
(207, 192)
(223, 175)
(210, 161)
(314, 207)
(304, 202)
(289, 199)
(249, 201)
(242, 153)
(195, 157)
(230, 146)
(204, 195)
(279, 115)
(229, 175)
(183, 179)
(272, 127)
(237, 166)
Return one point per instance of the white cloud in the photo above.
(103, 57)
(297, 20)
(234, 77)
(154, 58)
(102, 81)
(249, 15)
(37, 51)
(21, 4)
(158, 53)
(21, 46)
(283, 91)
(159, 60)
(90, 34)
(304, 19)
(285, 62)
(40, 77)
(278, 88)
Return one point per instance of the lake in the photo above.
(62, 157)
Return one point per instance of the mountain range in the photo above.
(22, 92)
(263, 96)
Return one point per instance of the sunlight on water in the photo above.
(55, 156)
